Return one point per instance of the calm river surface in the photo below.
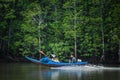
(29, 71)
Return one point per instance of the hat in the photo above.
(53, 55)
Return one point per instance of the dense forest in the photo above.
(90, 29)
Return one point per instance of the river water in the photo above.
(29, 71)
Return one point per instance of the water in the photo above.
(29, 71)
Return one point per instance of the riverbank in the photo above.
(11, 60)
(24, 60)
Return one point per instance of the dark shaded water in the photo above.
(29, 71)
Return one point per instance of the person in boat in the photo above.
(53, 58)
(43, 57)
(46, 59)
(73, 59)
(42, 54)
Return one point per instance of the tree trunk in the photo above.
(39, 44)
(119, 52)
(38, 20)
(8, 43)
(102, 28)
(75, 37)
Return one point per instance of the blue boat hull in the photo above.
(50, 63)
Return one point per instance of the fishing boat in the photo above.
(48, 62)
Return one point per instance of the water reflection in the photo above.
(78, 72)
(37, 72)
(91, 72)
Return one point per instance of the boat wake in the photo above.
(86, 68)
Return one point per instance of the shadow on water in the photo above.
(37, 72)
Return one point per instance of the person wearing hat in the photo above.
(53, 58)
(73, 59)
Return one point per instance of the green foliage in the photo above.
(52, 25)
